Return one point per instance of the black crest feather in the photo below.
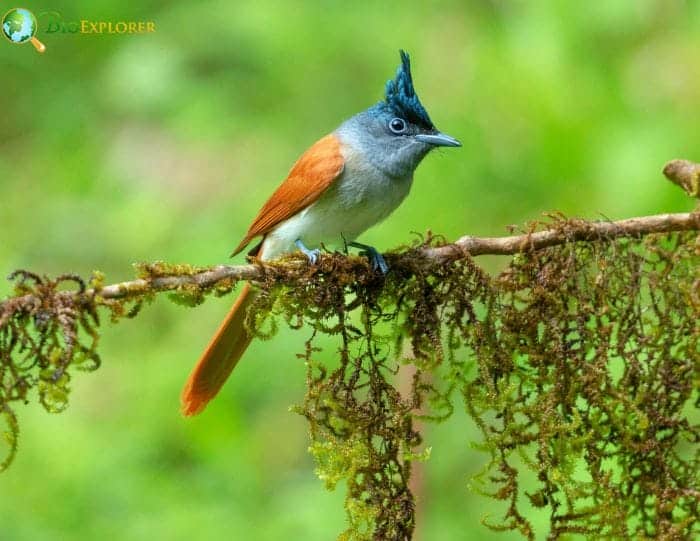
(401, 97)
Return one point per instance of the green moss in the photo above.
(579, 363)
(158, 269)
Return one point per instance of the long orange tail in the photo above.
(219, 359)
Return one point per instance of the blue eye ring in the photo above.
(397, 125)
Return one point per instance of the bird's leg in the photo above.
(375, 258)
(312, 255)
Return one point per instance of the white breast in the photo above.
(361, 197)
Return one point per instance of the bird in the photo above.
(346, 182)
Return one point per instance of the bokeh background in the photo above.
(117, 149)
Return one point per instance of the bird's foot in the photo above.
(312, 255)
(375, 258)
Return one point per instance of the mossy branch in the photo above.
(580, 362)
(160, 277)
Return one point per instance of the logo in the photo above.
(55, 24)
(19, 26)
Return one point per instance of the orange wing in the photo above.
(309, 177)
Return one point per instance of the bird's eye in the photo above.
(397, 125)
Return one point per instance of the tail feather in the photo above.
(219, 359)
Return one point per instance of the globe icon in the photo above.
(19, 26)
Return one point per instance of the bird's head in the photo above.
(397, 133)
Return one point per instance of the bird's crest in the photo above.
(401, 97)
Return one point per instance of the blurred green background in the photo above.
(116, 149)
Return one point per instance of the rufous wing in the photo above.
(309, 177)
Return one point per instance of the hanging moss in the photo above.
(579, 363)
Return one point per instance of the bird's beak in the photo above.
(438, 139)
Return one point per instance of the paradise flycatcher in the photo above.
(346, 182)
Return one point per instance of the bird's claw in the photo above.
(311, 255)
(378, 262)
(375, 258)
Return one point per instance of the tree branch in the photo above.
(509, 347)
(573, 230)
(681, 172)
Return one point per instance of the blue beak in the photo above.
(438, 139)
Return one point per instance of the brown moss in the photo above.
(579, 363)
